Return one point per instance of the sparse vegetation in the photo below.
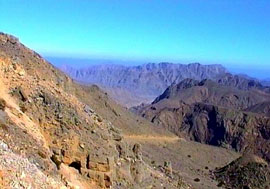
(246, 172)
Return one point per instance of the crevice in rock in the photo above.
(77, 165)
(56, 161)
(88, 161)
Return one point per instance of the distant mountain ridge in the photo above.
(266, 82)
(143, 82)
(227, 94)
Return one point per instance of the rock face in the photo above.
(2, 104)
(52, 138)
(136, 84)
(214, 114)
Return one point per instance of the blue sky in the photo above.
(235, 33)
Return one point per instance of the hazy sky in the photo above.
(235, 33)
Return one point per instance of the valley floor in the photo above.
(193, 161)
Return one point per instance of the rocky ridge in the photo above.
(51, 139)
(210, 92)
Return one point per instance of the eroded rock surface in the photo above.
(51, 139)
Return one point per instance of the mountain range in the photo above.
(200, 126)
(133, 85)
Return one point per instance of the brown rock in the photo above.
(168, 168)
(2, 104)
(137, 151)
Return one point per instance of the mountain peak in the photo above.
(6, 37)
